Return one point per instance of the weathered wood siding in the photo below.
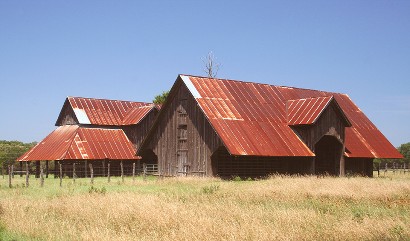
(136, 133)
(329, 123)
(228, 166)
(359, 166)
(67, 116)
(183, 139)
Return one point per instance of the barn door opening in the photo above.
(328, 152)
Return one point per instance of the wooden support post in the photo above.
(378, 170)
(56, 168)
(85, 168)
(61, 174)
(74, 175)
(144, 168)
(133, 171)
(41, 177)
(27, 174)
(92, 173)
(108, 172)
(37, 169)
(122, 171)
(9, 167)
(21, 169)
(103, 167)
(47, 169)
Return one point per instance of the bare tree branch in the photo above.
(211, 66)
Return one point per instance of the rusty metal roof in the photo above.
(252, 119)
(136, 114)
(306, 111)
(72, 142)
(103, 111)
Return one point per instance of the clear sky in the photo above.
(133, 50)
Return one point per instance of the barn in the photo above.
(227, 128)
(100, 132)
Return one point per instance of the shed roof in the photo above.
(106, 112)
(72, 142)
(252, 119)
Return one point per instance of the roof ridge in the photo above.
(91, 98)
(250, 82)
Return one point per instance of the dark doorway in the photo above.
(149, 157)
(328, 152)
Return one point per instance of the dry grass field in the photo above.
(279, 208)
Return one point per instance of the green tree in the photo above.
(160, 99)
(11, 150)
(404, 149)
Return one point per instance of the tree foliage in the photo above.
(160, 99)
(11, 150)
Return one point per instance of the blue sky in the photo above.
(133, 50)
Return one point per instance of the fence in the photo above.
(394, 168)
(75, 172)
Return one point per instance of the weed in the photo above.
(210, 189)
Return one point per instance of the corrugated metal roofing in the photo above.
(135, 115)
(104, 112)
(251, 118)
(73, 142)
(306, 111)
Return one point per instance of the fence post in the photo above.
(41, 177)
(109, 172)
(91, 173)
(122, 171)
(27, 174)
(74, 175)
(144, 168)
(61, 174)
(133, 171)
(9, 167)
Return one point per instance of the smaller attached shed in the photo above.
(226, 128)
(102, 132)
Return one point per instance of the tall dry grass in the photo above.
(280, 208)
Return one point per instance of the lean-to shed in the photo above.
(233, 128)
(96, 131)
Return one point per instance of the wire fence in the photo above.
(395, 168)
(75, 171)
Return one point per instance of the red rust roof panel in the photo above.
(136, 114)
(73, 142)
(105, 112)
(306, 111)
(252, 118)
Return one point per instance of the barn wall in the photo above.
(136, 133)
(359, 166)
(228, 166)
(330, 122)
(67, 116)
(183, 136)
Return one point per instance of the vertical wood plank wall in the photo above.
(202, 140)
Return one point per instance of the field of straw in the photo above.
(278, 208)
